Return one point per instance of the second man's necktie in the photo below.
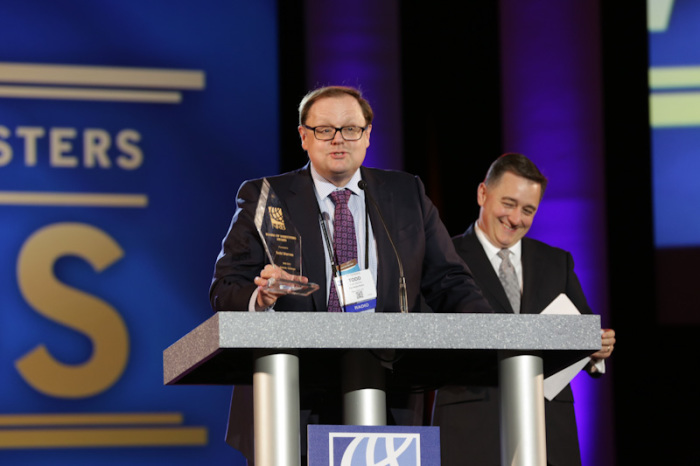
(509, 279)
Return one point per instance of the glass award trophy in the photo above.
(282, 243)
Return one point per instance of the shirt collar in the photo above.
(491, 250)
(325, 187)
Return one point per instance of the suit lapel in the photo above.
(387, 271)
(474, 255)
(302, 204)
(533, 276)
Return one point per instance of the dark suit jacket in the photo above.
(431, 265)
(469, 416)
(434, 272)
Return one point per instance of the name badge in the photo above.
(356, 290)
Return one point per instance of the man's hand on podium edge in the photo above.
(607, 345)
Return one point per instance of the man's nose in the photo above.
(337, 137)
(515, 217)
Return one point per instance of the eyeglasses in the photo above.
(327, 133)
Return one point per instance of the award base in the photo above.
(282, 286)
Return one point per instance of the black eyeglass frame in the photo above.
(313, 128)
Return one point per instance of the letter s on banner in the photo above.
(73, 308)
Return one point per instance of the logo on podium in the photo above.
(373, 446)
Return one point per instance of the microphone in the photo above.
(403, 294)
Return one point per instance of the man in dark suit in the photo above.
(432, 267)
(469, 416)
(335, 124)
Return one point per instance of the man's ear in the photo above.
(302, 136)
(481, 194)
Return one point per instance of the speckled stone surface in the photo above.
(407, 331)
(238, 333)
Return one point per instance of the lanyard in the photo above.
(327, 240)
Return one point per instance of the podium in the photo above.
(279, 351)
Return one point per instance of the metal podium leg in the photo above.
(276, 410)
(364, 396)
(522, 409)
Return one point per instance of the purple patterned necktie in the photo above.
(344, 242)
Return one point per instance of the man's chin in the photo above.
(343, 170)
(508, 241)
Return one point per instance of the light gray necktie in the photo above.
(509, 279)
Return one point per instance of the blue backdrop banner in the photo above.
(674, 106)
(125, 129)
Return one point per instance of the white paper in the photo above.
(556, 382)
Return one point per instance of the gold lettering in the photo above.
(5, 148)
(61, 145)
(95, 144)
(131, 157)
(73, 308)
(30, 134)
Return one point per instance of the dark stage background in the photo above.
(452, 130)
